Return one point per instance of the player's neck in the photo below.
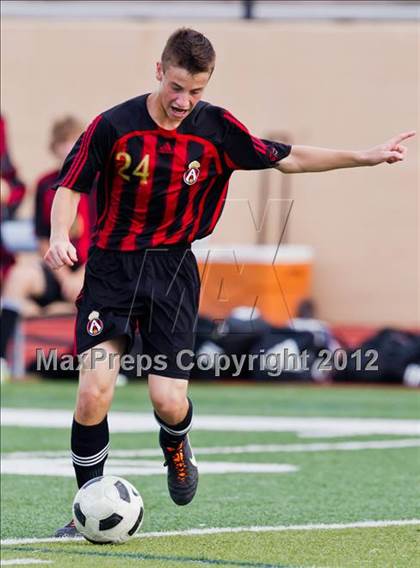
(158, 114)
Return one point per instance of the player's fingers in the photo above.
(64, 257)
(67, 260)
(394, 157)
(403, 136)
(403, 151)
(52, 260)
(48, 260)
(72, 253)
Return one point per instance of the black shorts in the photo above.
(154, 291)
(52, 291)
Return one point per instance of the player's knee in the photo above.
(93, 397)
(170, 406)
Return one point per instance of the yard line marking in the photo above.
(20, 561)
(222, 530)
(144, 422)
(62, 467)
(245, 449)
(283, 528)
(275, 448)
(135, 462)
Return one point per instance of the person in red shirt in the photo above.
(31, 286)
(163, 161)
(11, 193)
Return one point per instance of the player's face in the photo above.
(180, 91)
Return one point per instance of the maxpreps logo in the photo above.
(95, 325)
(192, 173)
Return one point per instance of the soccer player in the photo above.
(164, 161)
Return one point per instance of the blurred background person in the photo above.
(12, 191)
(30, 286)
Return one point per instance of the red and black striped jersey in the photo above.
(161, 187)
(81, 230)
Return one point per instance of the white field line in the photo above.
(62, 467)
(277, 448)
(246, 449)
(144, 422)
(21, 561)
(223, 530)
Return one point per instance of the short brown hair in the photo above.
(63, 129)
(190, 50)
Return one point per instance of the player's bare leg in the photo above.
(97, 381)
(173, 411)
(90, 434)
(25, 279)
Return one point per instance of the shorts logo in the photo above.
(192, 173)
(95, 325)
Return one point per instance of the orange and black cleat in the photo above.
(182, 472)
(68, 531)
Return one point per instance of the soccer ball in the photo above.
(108, 509)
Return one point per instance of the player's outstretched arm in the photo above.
(312, 159)
(63, 213)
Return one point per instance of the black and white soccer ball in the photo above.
(108, 509)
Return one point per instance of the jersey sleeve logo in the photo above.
(95, 325)
(191, 175)
(273, 154)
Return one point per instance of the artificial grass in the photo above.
(329, 487)
(224, 398)
(388, 547)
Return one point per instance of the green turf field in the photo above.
(327, 477)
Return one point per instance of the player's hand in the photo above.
(61, 253)
(390, 152)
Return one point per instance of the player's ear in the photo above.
(159, 71)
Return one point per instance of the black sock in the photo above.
(171, 435)
(9, 318)
(89, 450)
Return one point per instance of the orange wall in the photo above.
(344, 85)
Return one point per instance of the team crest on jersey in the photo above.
(95, 325)
(192, 173)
